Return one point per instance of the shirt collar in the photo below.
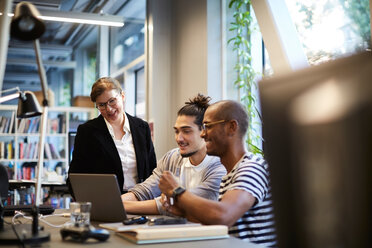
(126, 126)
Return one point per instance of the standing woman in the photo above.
(114, 142)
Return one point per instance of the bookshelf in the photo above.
(19, 148)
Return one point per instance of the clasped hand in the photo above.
(167, 184)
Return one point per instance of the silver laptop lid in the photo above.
(102, 190)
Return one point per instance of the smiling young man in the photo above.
(244, 202)
(193, 168)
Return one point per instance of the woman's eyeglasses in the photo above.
(111, 102)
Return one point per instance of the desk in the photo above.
(116, 241)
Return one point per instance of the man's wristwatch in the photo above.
(178, 191)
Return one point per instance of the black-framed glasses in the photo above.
(205, 126)
(111, 102)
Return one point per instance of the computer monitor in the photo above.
(71, 143)
(317, 127)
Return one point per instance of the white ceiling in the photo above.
(59, 40)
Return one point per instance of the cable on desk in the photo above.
(41, 218)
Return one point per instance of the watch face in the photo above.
(178, 191)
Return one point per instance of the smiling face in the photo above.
(114, 112)
(187, 135)
(214, 135)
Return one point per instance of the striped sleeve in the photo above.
(252, 178)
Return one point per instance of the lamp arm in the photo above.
(44, 117)
(42, 75)
(11, 89)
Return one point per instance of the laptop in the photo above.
(102, 190)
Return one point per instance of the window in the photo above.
(248, 57)
(329, 29)
(128, 42)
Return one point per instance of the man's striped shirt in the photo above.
(256, 225)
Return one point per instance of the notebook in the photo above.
(102, 190)
(164, 234)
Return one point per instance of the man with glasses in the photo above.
(244, 196)
(114, 142)
(194, 169)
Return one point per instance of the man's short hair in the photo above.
(196, 107)
(233, 110)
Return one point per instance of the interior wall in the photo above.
(183, 59)
(190, 49)
(160, 97)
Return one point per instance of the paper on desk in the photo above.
(170, 233)
(119, 226)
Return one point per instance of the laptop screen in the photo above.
(102, 190)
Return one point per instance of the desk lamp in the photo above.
(27, 26)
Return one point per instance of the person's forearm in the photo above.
(141, 207)
(129, 197)
(198, 209)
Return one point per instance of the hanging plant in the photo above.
(245, 80)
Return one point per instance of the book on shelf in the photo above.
(28, 150)
(21, 125)
(6, 125)
(61, 123)
(54, 152)
(32, 150)
(27, 124)
(48, 153)
(10, 151)
(28, 171)
(6, 150)
(11, 125)
(36, 151)
(174, 233)
(3, 121)
(33, 125)
(21, 150)
(53, 125)
(2, 150)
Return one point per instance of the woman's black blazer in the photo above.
(95, 151)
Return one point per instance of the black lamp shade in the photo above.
(25, 23)
(28, 106)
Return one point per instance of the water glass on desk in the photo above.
(80, 213)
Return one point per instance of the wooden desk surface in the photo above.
(116, 241)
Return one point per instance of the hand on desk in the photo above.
(170, 208)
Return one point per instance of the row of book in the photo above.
(29, 125)
(28, 170)
(21, 196)
(32, 125)
(26, 196)
(59, 201)
(6, 150)
(27, 150)
(30, 151)
(7, 123)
